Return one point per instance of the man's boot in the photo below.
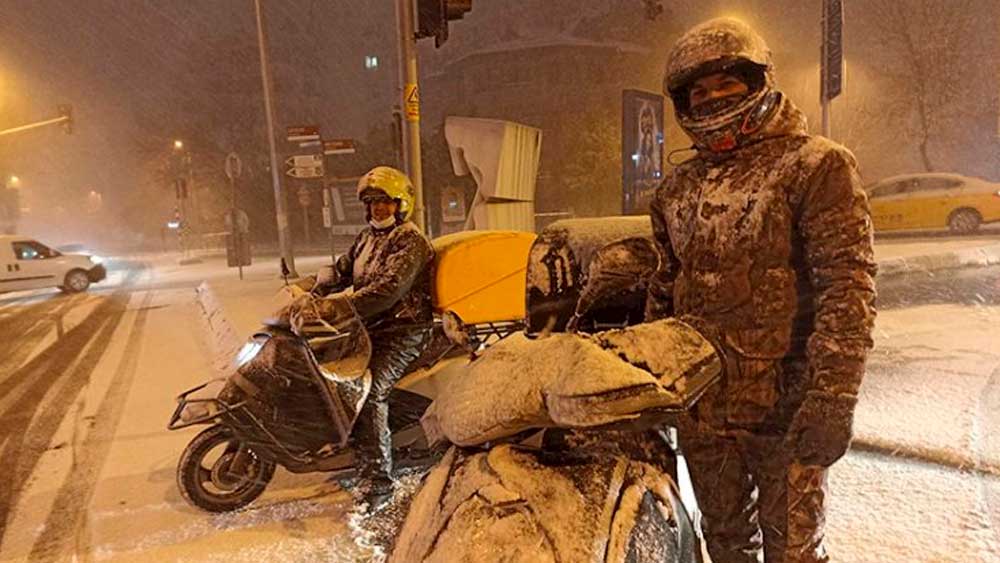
(373, 443)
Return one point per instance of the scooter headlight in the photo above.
(249, 351)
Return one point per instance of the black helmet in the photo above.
(728, 46)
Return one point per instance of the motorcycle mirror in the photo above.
(284, 271)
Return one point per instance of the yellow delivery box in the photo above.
(480, 275)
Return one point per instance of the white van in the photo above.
(28, 264)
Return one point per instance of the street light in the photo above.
(178, 144)
(94, 201)
(14, 182)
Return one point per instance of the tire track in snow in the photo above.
(62, 371)
(28, 326)
(67, 521)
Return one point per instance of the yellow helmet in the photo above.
(392, 183)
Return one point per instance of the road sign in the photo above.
(234, 166)
(305, 160)
(411, 98)
(303, 133)
(305, 172)
(305, 198)
(238, 251)
(339, 146)
(242, 222)
(832, 62)
(305, 166)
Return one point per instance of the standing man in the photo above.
(389, 267)
(766, 247)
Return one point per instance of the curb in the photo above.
(928, 264)
(224, 341)
(978, 458)
(969, 462)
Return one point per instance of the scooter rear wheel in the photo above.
(206, 480)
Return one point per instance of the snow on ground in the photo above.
(921, 396)
(913, 246)
(925, 382)
(888, 510)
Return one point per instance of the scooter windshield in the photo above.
(342, 355)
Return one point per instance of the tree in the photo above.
(926, 51)
(592, 179)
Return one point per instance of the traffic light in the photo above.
(67, 112)
(433, 17)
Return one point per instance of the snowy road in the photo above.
(87, 385)
(86, 389)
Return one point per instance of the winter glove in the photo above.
(821, 430)
(327, 277)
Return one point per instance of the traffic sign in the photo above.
(305, 198)
(832, 62)
(339, 146)
(240, 224)
(411, 99)
(234, 166)
(305, 160)
(303, 133)
(305, 172)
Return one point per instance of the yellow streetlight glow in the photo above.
(14, 181)
(178, 144)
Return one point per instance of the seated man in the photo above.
(389, 267)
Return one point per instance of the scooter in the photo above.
(293, 401)
(550, 463)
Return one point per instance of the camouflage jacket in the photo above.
(390, 271)
(768, 249)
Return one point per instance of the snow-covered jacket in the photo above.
(768, 249)
(390, 271)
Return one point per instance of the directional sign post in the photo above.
(305, 166)
(339, 146)
(301, 133)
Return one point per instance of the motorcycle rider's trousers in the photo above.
(754, 496)
(393, 351)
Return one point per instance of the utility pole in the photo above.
(411, 106)
(281, 213)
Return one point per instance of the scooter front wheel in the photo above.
(218, 473)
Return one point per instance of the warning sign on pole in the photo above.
(411, 99)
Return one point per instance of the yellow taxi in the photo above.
(933, 201)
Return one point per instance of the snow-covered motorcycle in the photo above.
(559, 449)
(291, 401)
(293, 398)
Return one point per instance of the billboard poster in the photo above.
(642, 149)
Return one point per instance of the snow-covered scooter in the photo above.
(560, 452)
(291, 401)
